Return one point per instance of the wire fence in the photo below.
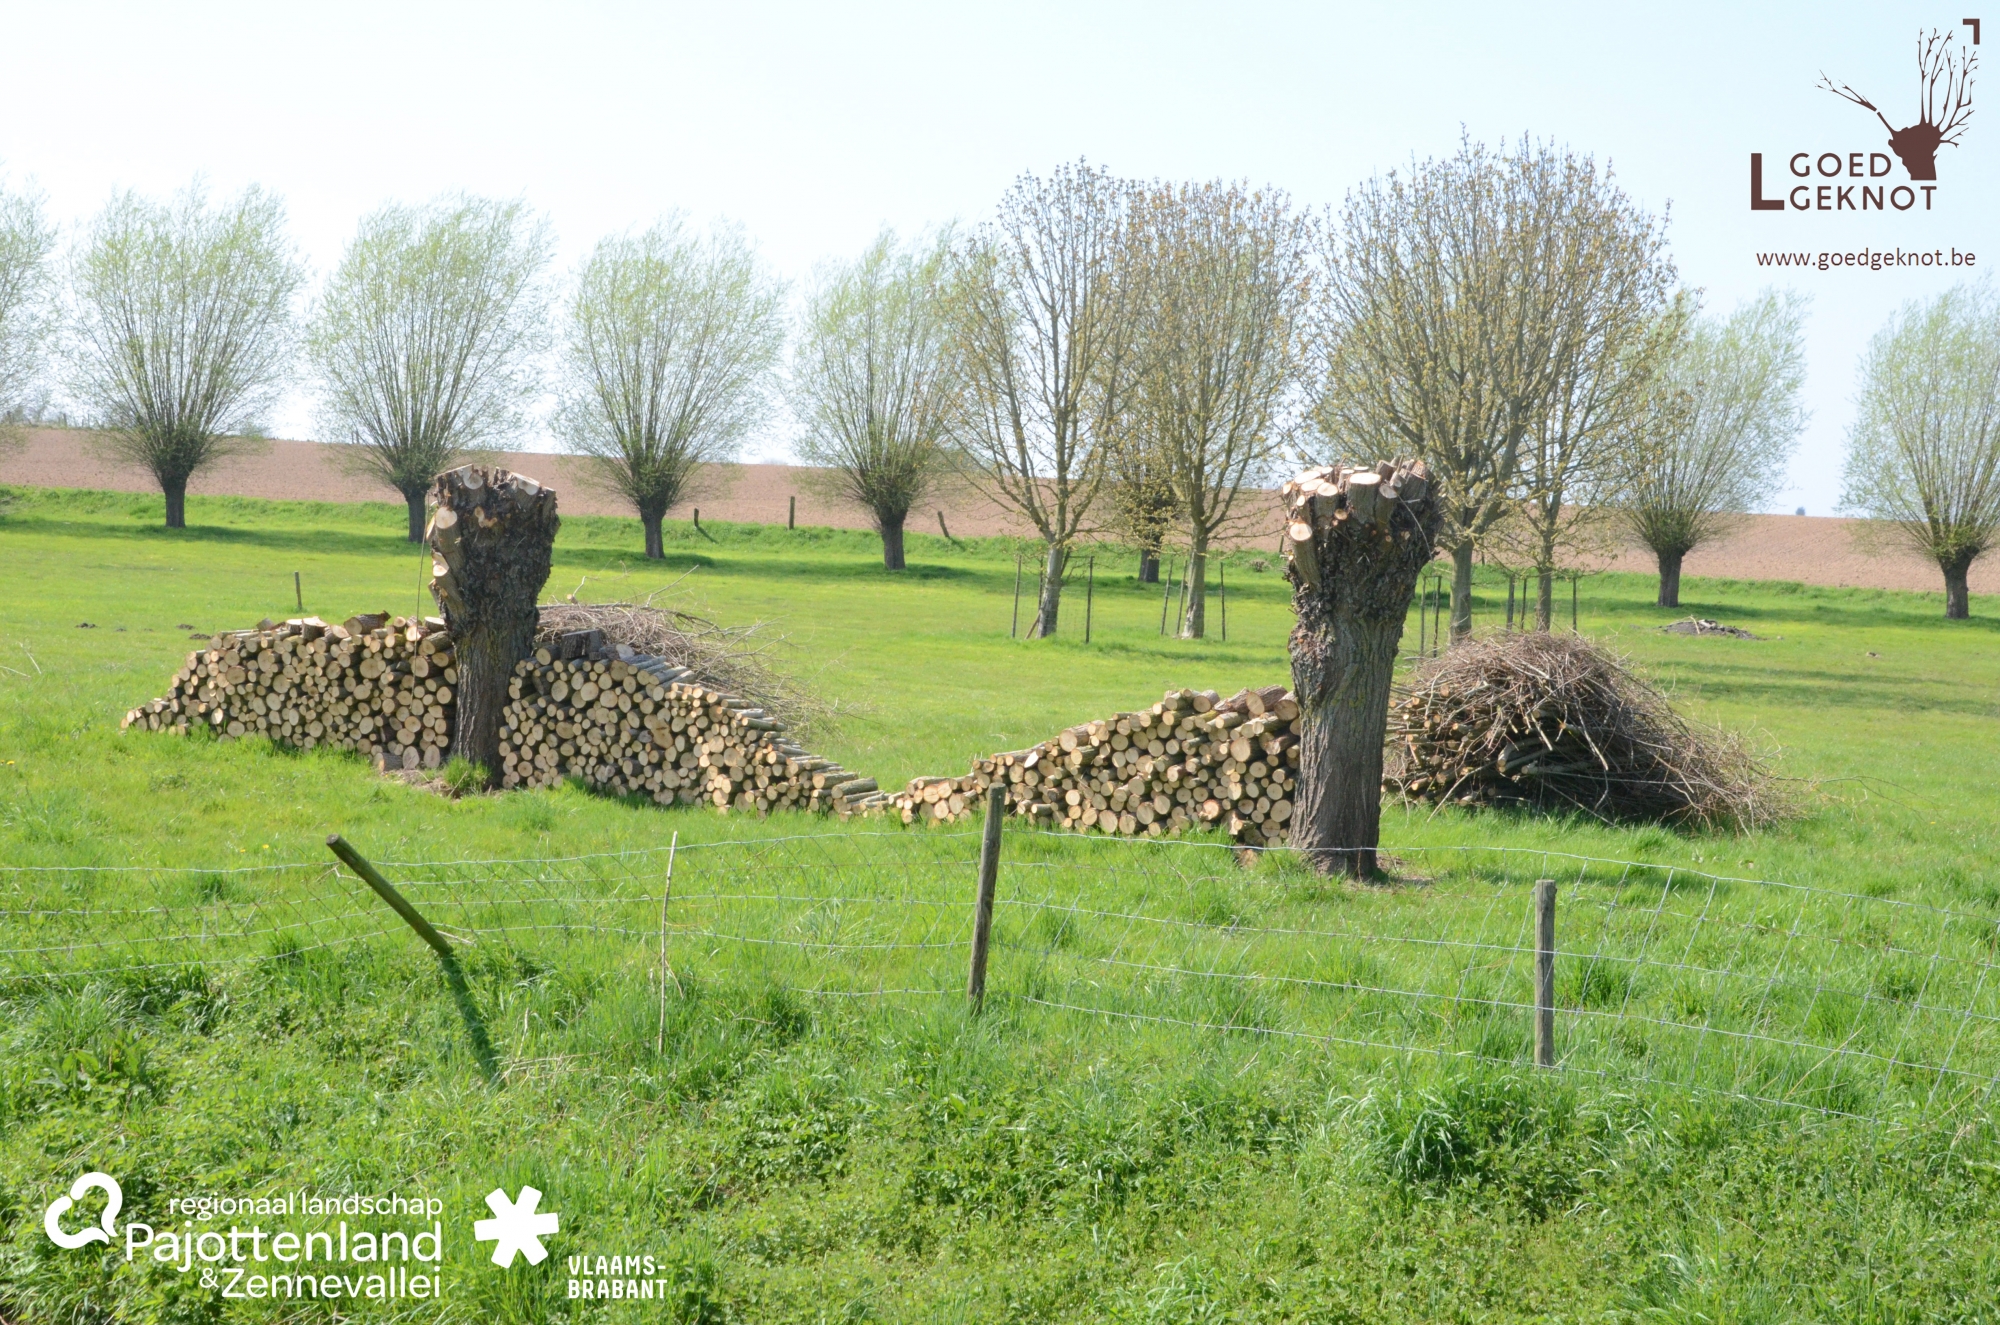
(1763, 990)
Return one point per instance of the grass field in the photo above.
(794, 1144)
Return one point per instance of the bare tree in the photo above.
(1924, 454)
(1042, 307)
(1944, 103)
(1139, 492)
(1612, 332)
(183, 329)
(671, 340)
(875, 384)
(26, 239)
(1715, 430)
(423, 338)
(1440, 329)
(1227, 279)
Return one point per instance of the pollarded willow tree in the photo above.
(1716, 430)
(423, 340)
(670, 342)
(1043, 304)
(1139, 499)
(1226, 285)
(26, 240)
(1924, 454)
(875, 385)
(1614, 325)
(1440, 331)
(183, 329)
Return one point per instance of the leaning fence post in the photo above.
(387, 892)
(1015, 629)
(666, 971)
(1545, 973)
(1089, 595)
(989, 876)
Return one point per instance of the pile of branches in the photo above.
(1552, 723)
(737, 659)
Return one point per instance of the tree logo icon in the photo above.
(107, 1227)
(1944, 92)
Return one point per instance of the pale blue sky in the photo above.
(813, 125)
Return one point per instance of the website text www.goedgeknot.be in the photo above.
(1873, 259)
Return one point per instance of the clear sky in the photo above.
(814, 125)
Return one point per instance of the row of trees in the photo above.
(1102, 353)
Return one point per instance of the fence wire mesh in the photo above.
(1770, 991)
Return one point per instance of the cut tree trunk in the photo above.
(1957, 597)
(1353, 568)
(1461, 590)
(1149, 566)
(490, 544)
(1051, 595)
(176, 490)
(1670, 578)
(1195, 619)
(656, 546)
(890, 526)
(413, 499)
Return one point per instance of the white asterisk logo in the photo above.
(515, 1227)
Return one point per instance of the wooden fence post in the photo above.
(989, 877)
(1014, 630)
(792, 513)
(1089, 594)
(1166, 595)
(299, 592)
(1222, 595)
(387, 892)
(1545, 973)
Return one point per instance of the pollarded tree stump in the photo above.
(1355, 542)
(490, 544)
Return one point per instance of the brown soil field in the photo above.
(1808, 549)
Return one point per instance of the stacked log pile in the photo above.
(1193, 760)
(634, 724)
(373, 683)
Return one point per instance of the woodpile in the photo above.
(1193, 760)
(634, 724)
(1552, 723)
(378, 684)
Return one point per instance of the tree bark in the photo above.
(650, 519)
(1194, 621)
(1352, 596)
(890, 526)
(1051, 597)
(1149, 566)
(1670, 578)
(1957, 597)
(490, 543)
(1545, 600)
(1461, 589)
(413, 499)
(176, 490)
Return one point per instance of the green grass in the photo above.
(1191, 1147)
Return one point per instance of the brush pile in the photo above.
(375, 683)
(636, 724)
(1552, 723)
(731, 658)
(1193, 760)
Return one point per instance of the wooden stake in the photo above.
(666, 971)
(1510, 601)
(1180, 604)
(1014, 631)
(1089, 591)
(298, 592)
(1166, 593)
(1572, 604)
(792, 513)
(387, 892)
(1222, 596)
(989, 877)
(1545, 973)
